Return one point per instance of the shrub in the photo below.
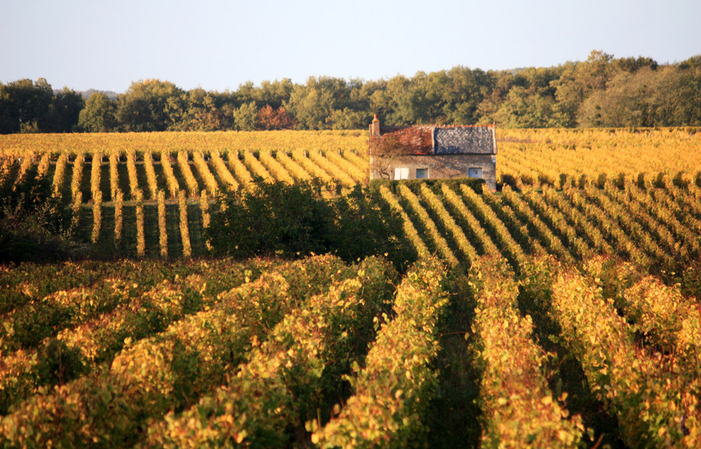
(32, 221)
(295, 220)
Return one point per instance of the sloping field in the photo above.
(630, 193)
(562, 311)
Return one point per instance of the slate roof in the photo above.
(464, 140)
(433, 139)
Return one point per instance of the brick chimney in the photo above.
(375, 127)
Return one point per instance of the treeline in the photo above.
(602, 91)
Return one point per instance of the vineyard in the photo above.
(561, 311)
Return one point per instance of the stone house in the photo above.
(433, 152)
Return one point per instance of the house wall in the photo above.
(445, 166)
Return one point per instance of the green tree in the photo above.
(465, 91)
(198, 110)
(524, 108)
(64, 111)
(98, 116)
(349, 119)
(646, 97)
(24, 105)
(150, 105)
(688, 93)
(578, 81)
(313, 104)
(245, 117)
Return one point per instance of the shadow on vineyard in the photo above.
(33, 224)
(559, 311)
(296, 220)
(455, 419)
(567, 374)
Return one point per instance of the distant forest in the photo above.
(602, 91)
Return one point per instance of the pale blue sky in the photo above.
(218, 44)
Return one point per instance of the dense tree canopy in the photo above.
(602, 91)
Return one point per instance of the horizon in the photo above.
(219, 45)
(258, 85)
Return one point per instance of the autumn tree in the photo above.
(273, 119)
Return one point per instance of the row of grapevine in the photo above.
(96, 339)
(206, 217)
(255, 167)
(437, 238)
(133, 177)
(681, 207)
(394, 389)
(73, 143)
(44, 164)
(661, 313)
(169, 369)
(519, 407)
(331, 168)
(190, 181)
(223, 172)
(162, 225)
(118, 216)
(279, 172)
(96, 216)
(26, 163)
(359, 174)
(140, 235)
(203, 169)
(475, 227)
(272, 391)
(552, 242)
(577, 220)
(310, 167)
(650, 220)
(171, 180)
(557, 222)
(77, 176)
(213, 174)
(489, 219)
(242, 174)
(409, 230)
(114, 174)
(436, 205)
(654, 405)
(151, 177)
(609, 228)
(184, 228)
(29, 324)
(658, 230)
(191, 362)
(535, 156)
(658, 214)
(620, 213)
(292, 166)
(59, 173)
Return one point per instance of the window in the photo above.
(422, 173)
(474, 172)
(401, 173)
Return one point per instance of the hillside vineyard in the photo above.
(570, 193)
(561, 310)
